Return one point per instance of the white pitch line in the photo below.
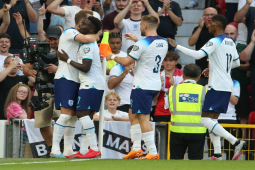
(75, 160)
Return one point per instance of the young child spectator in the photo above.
(112, 101)
(170, 76)
(16, 105)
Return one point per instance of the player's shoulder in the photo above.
(150, 39)
(236, 83)
(71, 30)
(221, 38)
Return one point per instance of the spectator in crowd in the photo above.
(170, 16)
(16, 104)
(121, 80)
(93, 5)
(8, 79)
(28, 14)
(6, 18)
(112, 101)
(33, 25)
(132, 25)
(200, 36)
(108, 6)
(68, 12)
(170, 76)
(186, 130)
(240, 74)
(108, 21)
(247, 13)
(5, 43)
(20, 24)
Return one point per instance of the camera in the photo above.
(39, 55)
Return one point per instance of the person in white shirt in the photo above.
(112, 101)
(148, 54)
(121, 80)
(223, 56)
(132, 25)
(68, 12)
(66, 82)
(92, 85)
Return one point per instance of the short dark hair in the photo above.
(172, 55)
(130, 49)
(81, 15)
(96, 22)
(192, 71)
(222, 19)
(115, 35)
(5, 35)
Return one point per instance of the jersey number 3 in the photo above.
(158, 60)
(229, 58)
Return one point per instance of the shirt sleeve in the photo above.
(115, 72)
(14, 110)
(70, 34)
(236, 89)
(210, 46)
(88, 51)
(67, 11)
(138, 49)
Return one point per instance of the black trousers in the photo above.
(124, 108)
(179, 142)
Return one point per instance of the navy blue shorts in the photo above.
(141, 100)
(216, 101)
(89, 99)
(65, 93)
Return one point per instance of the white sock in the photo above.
(69, 136)
(136, 136)
(216, 141)
(217, 129)
(84, 148)
(89, 128)
(58, 132)
(148, 138)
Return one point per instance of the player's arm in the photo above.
(84, 67)
(192, 53)
(245, 55)
(194, 37)
(125, 61)
(53, 8)
(115, 80)
(240, 15)
(86, 38)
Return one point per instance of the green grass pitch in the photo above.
(113, 164)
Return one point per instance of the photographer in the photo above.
(43, 118)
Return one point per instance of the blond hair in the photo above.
(12, 97)
(151, 20)
(114, 94)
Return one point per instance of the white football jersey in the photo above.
(149, 54)
(71, 47)
(118, 113)
(94, 77)
(222, 53)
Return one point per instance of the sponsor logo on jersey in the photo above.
(86, 50)
(208, 44)
(159, 44)
(135, 48)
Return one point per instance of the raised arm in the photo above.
(240, 15)
(12, 3)
(107, 3)
(20, 24)
(6, 18)
(194, 37)
(32, 15)
(41, 36)
(177, 20)
(53, 8)
(149, 8)
(125, 61)
(245, 55)
(98, 8)
(13, 64)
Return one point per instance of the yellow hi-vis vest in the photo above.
(185, 101)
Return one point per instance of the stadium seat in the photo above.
(252, 121)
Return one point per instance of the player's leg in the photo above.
(136, 136)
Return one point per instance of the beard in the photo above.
(143, 33)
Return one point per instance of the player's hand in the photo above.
(6, 7)
(18, 18)
(205, 72)
(51, 68)
(62, 55)
(201, 22)
(249, 2)
(132, 71)
(172, 42)
(167, 4)
(108, 57)
(253, 37)
(42, 10)
(132, 37)
(127, 69)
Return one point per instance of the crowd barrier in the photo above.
(240, 131)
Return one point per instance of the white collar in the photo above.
(190, 81)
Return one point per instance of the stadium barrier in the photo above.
(237, 130)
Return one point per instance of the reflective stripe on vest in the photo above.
(187, 121)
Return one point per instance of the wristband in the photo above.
(113, 57)
(68, 61)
